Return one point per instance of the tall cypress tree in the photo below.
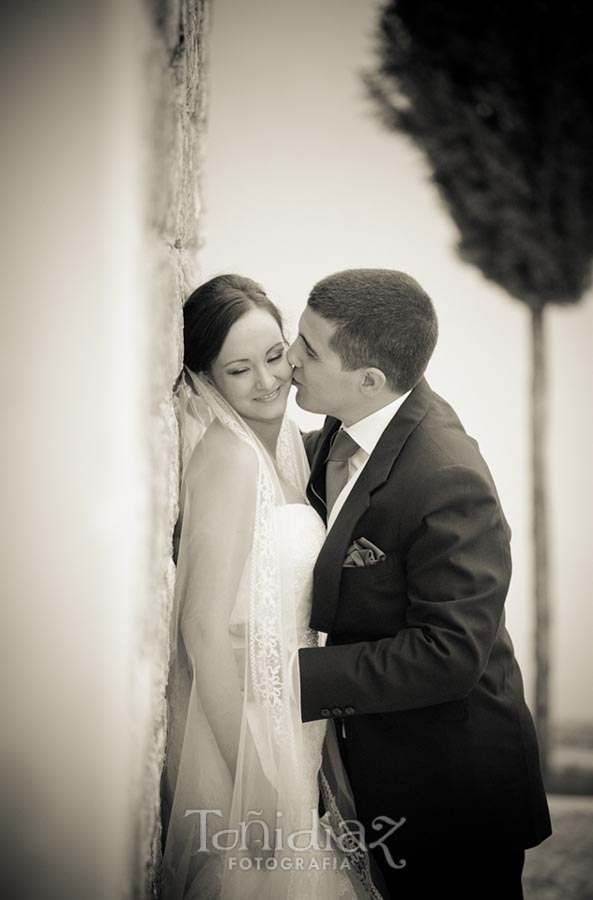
(499, 97)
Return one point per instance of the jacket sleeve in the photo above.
(458, 568)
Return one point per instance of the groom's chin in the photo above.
(300, 399)
(299, 402)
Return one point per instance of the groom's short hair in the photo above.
(383, 318)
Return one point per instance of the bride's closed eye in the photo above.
(276, 358)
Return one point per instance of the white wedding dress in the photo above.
(244, 548)
(321, 874)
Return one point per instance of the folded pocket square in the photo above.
(362, 553)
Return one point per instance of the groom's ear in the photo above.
(373, 382)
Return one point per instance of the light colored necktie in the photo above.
(336, 469)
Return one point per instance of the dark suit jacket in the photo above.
(419, 667)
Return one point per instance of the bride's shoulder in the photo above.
(222, 455)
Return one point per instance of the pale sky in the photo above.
(300, 180)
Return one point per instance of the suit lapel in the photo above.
(316, 485)
(328, 569)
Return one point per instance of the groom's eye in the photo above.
(275, 358)
(311, 353)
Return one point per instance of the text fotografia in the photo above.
(254, 836)
(286, 863)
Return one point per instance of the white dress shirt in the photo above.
(366, 432)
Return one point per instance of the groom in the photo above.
(419, 673)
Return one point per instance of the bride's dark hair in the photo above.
(210, 312)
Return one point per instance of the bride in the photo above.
(242, 773)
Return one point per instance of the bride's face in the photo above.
(251, 370)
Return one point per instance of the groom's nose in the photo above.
(292, 355)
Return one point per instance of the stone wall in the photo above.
(175, 120)
(103, 109)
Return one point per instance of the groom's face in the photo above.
(323, 386)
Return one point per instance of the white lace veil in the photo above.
(227, 560)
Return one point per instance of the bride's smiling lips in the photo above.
(271, 395)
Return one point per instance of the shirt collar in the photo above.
(366, 432)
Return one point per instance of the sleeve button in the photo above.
(349, 710)
(337, 711)
(326, 713)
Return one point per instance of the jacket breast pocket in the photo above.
(373, 599)
(382, 569)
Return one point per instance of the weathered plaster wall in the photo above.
(102, 108)
(176, 68)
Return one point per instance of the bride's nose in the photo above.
(266, 379)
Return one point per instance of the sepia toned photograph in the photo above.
(298, 428)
